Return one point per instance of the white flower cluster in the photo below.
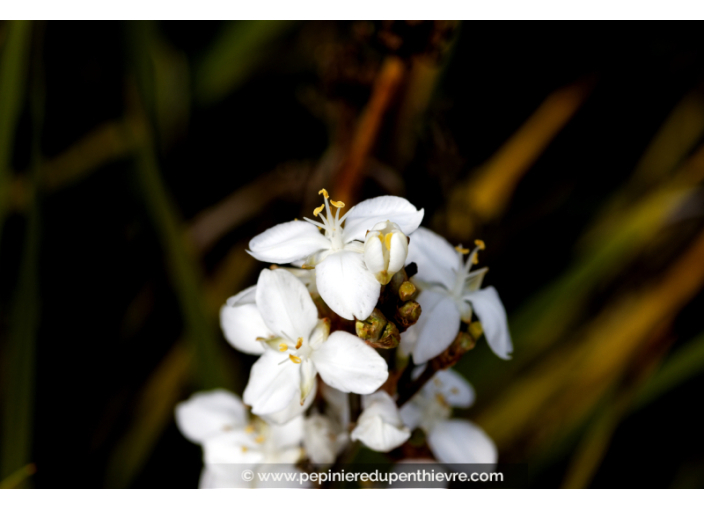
(342, 274)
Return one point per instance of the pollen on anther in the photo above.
(259, 439)
(463, 251)
(249, 429)
(324, 193)
(244, 449)
(317, 210)
(295, 359)
(337, 204)
(283, 347)
(475, 258)
(299, 343)
(480, 243)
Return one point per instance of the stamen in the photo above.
(463, 251)
(249, 429)
(318, 210)
(299, 343)
(295, 359)
(261, 339)
(454, 391)
(259, 439)
(283, 347)
(324, 193)
(244, 449)
(316, 223)
(441, 399)
(480, 243)
(339, 205)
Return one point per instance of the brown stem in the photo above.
(365, 133)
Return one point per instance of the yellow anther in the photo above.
(387, 240)
(244, 449)
(339, 205)
(475, 258)
(324, 193)
(463, 251)
(249, 429)
(299, 343)
(437, 382)
(283, 347)
(480, 243)
(454, 391)
(441, 399)
(295, 359)
(261, 339)
(318, 210)
(259, 439)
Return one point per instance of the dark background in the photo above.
(123, 138)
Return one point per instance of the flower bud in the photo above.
(407, 291)
(407, 314)
(372, 327)
(385, 250)
(390, 337)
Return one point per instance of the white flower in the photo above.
(218, 421)
(450, 292)
(452, 441)
(342, 278)
(300, 348)
(380, 426)
(385, 250)
(241, 322)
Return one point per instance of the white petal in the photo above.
(232, 447)
(346, 363)
(490, 310)
(380, 426)
(461, 442)
(272, 386)
(242, 324)
(454, 388)
(346, 285)
(293, 410)
(246, 297)
(288, 435)
(437, 260)
(411, 414)
(285, 304)
(438, 325)
(365, 215)
(323, 439)
(209, 413)
(287, 242)
(374, 255)
(408, 340)
(338, 404)
(398, 253)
